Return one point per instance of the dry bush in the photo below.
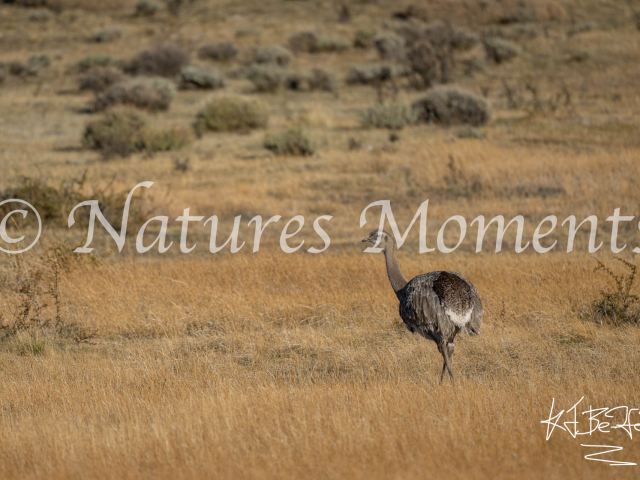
(330, 44)
(452, 105)
(267, 78)
(323, 79)
(124, 132)
(500, 51)
(221, 51)
(423, 61)
(147, 8)
(31, 67)
(306, 41)
(364, 38)
(369, 74)
(200, 78)
(273, 55)
(620, 306)
(91, 61)
(294, 141)
(231, 114)
(107, 35)
(165, 59)
(42, 15)
(152, 94)
(389, 46)
(393, 116)
(98, 79)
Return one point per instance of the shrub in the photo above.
(166, 59)
(91, 61)
(364, 38)
(394, 116)
(147, 8)
(423, 61)
(463, 39)
(152, 94)
(452, 105)
(107, 35)
(124, 132)
(31, 66)
(117, 133)
(231, 114)
(218, 51)
(294, 141)
(98, 79)
(266, 78)
(389, 46)
(323, 79)
(199, 77)
(273, 54)
(368, 74)
(303, 42)
(500, 50)
(620, 306)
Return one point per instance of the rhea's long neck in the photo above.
(396, 277)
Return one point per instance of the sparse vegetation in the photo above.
(220, 51)
(153, 94)
(91, 61)
(200, 78)
(165, 59)
(294, 141)
(364, 38)
(231, 114)
(323, 79)
(107, 35)
(389, 46)
(369, 74)
(452, 105)
(393, 116)
(310, 42)
(147, 8)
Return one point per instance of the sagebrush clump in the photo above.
(620, 306)
(91, 61)
(393, 116)
(164, 59)
(231, 114)
(369, 74)
(451, 105)
(294, 141)
(98, 79)
(153, 94)
(220, 51)
(200, 78)
(273, 54)
(266, 78)
(389, 46)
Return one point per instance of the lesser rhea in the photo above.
(437, 305)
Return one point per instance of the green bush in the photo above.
(152, 94)
(231, 114)
(266, 78)
(329, 44)
(172, 138)
(393, 116)
(201, 78)
(294, 141)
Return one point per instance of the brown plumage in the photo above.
(437, 305)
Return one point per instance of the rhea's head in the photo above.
(379, 238)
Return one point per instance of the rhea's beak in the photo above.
(366, 240)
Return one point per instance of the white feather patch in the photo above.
(457, 319)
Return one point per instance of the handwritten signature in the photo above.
(603, 420)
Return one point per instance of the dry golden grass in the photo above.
(297, 366)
